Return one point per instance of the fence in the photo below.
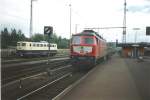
(8, 52)
(12, 52)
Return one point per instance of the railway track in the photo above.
(44, 76)
(37, 81)
(19, 60)
(12, 72)
(42, 90)
(31, 87)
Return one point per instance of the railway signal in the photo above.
(48, 30)
(148, 30)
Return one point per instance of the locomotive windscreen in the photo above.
(88, 40)
(82, 40)
(76, 40)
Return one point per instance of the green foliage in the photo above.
(21, 36)
(11, 38)
(5, 38)
(61, 42)
(37, 37)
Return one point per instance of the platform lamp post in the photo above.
(135, 36)
(135, 46)
(76, 28)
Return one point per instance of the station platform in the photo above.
(110, 80)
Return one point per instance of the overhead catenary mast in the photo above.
(31, 24)
(70, 19)
(124, 23)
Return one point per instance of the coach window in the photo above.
(23, 44)
(44, 45)
(30, 44)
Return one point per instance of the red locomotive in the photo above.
(87, 48)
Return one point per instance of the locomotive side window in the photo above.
(96, 41)
(23, 44)
(37, 45)
(88, 40)
(44, 45)
(48, 45)
(76, 40)
(41, 45)
(34, 45)
(18, 44)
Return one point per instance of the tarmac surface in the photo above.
(117, 79)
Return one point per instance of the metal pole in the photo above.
(135, 36)
(76, 28)
(124, 23)
(48, 48)
(31, 20)
(70, 20)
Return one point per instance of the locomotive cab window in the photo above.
(23, 44)
(88, 40)
(76, 40)
(34, 45)
(41, 45)
(38, 45)
(18, 44)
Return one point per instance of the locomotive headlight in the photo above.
(82, 49)
(87, 49)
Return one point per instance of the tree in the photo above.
(14, 37)
(37, 37)
(11, 39)
(5, 38)
(21, 36)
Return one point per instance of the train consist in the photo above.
(35, 48)
(88, 48)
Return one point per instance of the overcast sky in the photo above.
(85, 13)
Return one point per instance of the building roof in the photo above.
(142, 44)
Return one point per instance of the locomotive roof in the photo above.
(35, 42)
(88, 33)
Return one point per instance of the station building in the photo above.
(133, 50)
